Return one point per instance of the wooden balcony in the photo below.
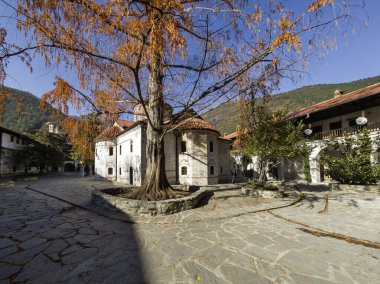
(371, 126)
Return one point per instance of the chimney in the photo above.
(338, 93)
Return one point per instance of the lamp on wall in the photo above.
(308, 131)
(361, 120)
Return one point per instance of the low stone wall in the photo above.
(27, 178)
(355, 187)
(7, 184)
(140, 207)
(255, 192)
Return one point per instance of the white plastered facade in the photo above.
(206, 159)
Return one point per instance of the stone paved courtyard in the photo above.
(46, 240)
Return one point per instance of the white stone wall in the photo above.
(198, 158)
(212, 158)
(225, 173)
(103, 161)
(171, 157)
(7, 143)
(131, 164)
(194, 159)
(8, 148)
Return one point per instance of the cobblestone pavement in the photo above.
(45, 240)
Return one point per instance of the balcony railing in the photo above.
(371, 126)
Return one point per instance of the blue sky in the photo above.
(356, 56)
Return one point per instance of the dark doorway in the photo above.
(69, 167)
(130, 175)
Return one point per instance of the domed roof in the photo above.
(124, 123)
(109, 134)
(196, 123)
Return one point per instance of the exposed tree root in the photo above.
(353, 240)
(326, 209)
(322, 233)
(153, 193)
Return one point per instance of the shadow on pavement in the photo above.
(45, 240)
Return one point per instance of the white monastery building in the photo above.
(333, 119)
(330, 119)
(10, 143)
(195, 154)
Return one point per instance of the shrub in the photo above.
(354, 165)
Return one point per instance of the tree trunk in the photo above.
(155, 185)
(262, 172)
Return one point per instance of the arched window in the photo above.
(120, 150)
(110, 151)
(119, 171)
(212, 170)
(131, 146)
(211, 147)
(221, 170)
(183, 171)
(183, 146)
(110, 171)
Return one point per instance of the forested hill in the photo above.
(31, 117)
(225, 117)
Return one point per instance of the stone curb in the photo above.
(355, 187)
(151, 208)
(262, 192)
(148, 208)
(27, 178)
(7, 184)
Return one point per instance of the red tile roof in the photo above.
(197, 124)
(124, 123)
(350, 97)
(109, 134)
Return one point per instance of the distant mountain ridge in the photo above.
(31, 118)
(226, 117)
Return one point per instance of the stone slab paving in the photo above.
(225, 202)
(354, 214)
(45, 240)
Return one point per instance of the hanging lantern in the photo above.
(361, 120)
(308, 132)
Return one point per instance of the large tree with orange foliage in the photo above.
(82, 134)
(189, 53)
